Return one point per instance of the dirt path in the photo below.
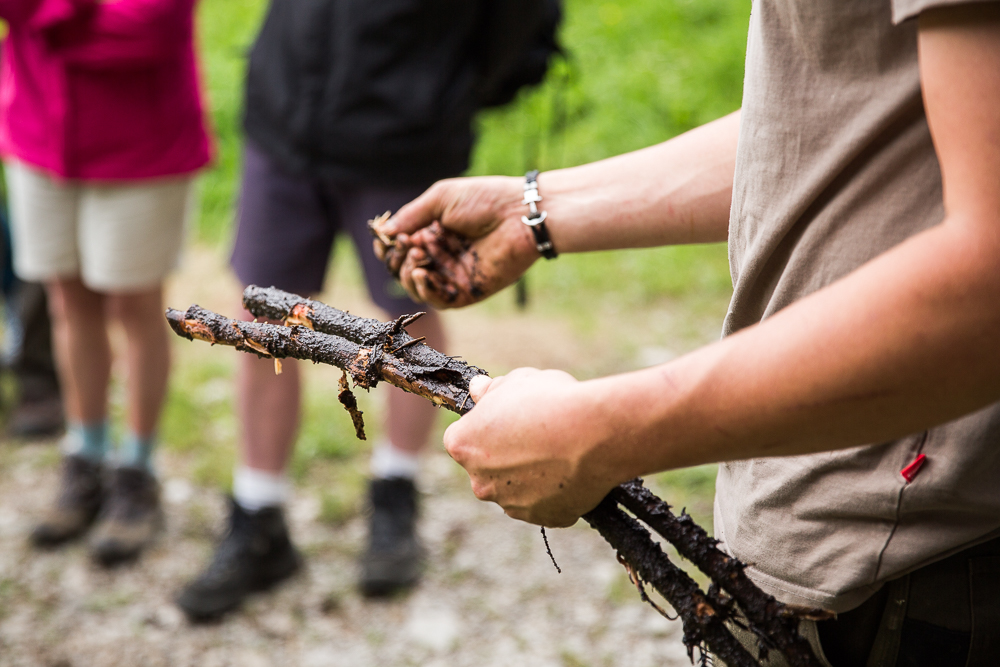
(490, 595)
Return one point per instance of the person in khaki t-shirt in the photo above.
(855, 396)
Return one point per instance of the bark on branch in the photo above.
(703, 619)
(446, 385)
(371, 351)
(775, 623)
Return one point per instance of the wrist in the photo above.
(606, 430)
(641, 422)
(535, 217)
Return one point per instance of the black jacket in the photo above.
(380, 91)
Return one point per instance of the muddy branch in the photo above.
(775, 623)
(274, 304)
(703, 619)
(370, 351)
(446, 385)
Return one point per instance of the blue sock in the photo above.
(88, 441)
(137, 451)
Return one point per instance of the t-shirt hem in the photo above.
(905, 10)
(794, 594)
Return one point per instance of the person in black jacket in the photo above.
(353, 108)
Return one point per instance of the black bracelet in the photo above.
(535, 218)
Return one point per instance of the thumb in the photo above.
(418, 214)
(479, 386)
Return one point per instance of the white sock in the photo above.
(389, 462)
(255, 489)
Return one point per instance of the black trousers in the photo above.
(946, 614)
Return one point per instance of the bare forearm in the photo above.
(679, 191)
(676, 192)
(906, 342)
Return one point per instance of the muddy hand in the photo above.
(463, 239)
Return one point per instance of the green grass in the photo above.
(199, 419)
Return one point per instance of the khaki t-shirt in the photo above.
(835, 166)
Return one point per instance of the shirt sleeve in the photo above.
(907, 9)
(125, 33)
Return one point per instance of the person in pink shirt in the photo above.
(101, 131)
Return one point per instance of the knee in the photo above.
(71, 300)
(138, 312)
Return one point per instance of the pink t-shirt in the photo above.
(102, 90)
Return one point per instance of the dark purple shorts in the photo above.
(286, 226)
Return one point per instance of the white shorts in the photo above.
(117, 237)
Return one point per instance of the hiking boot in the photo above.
(76, 506)
(255, 554)
(130, 519)
(394, 557)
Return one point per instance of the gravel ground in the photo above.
(490, 595)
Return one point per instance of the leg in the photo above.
(84, 360)
(39, 409)
(271, 251)
(79, 325)
(147, 356)
(130, 239)
(257, 552)
(269, 408)
(394, 557)
(44, 224)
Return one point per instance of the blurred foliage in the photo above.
(226, 29)
(635, 74)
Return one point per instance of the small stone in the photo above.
(277, 624)
(433, 627)
(305, 509)
(75, 579)
(177, 491)
(167, 617)
(11, 522)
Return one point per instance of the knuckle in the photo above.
(482, 491)
(455, 447)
